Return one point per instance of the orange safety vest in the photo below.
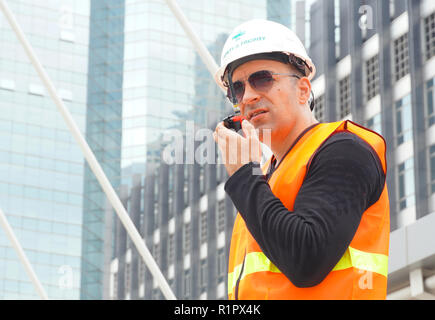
(362, 271)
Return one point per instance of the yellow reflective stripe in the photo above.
(233, 276)
(254, 262)
(374, 262)
(344, 263)
(258, 262)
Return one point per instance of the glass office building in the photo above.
(41, 167)
(103, 134)
(375, 65)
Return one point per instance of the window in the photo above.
(36, 89)
(406, 184)
(220, 168)
(65, 95)
(186, 191)
(277, 11)
(221, 263)
(429, 28)
(201, 180)
(156, 188)
(171, 249)
(403, 120)
(432, 168)
(372, 77)
(186, 242)
(171, 178)
(401, 57)
(142, 269)
(392, 9)
(345, 97)
(127, 279)
(374, 123)
(319, 108)
(186, 284)
(115, 286)
(186, 183)
(221, 290)
(203, 274)
(156, 252)
(337, 27)
(170, 204)
(156, 214)
(221, 216)
(7, 84)
(430, 91)
(203, 227)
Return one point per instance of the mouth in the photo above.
(255, 113)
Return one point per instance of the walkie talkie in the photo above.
(234, 121)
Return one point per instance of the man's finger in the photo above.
(249, 129)
(246, 127)
(219, 126)
(223, 131)
(254, 141)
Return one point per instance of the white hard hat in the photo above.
(261, 36)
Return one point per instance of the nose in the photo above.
(250, 95)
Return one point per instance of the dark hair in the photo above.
(299, 64)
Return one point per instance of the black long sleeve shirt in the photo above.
(344, 179)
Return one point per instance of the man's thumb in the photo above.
(248, 129)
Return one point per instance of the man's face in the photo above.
(279, 105)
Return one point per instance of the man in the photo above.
(316, 224)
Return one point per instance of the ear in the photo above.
(304, 89)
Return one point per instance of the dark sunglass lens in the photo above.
(239, 90)
(261, 80)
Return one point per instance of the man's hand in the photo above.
(237, 150)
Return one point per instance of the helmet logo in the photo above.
(240, 44)
(237, 36)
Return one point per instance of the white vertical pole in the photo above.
(197, 43)
(205, 55)
(92, 161)
(22, 256)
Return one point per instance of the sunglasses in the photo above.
(260, 81)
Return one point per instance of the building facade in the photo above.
(104, 136)
(367, 73)
(41, 166)
(376, 67)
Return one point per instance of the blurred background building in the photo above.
(41, 166)
(376, 67)
(129, 75)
